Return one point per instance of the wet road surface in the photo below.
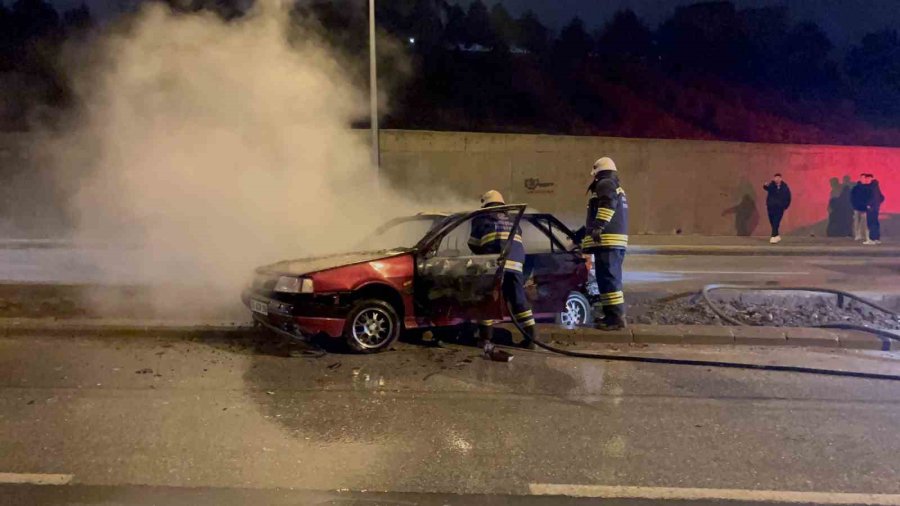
(872, 276)
(102, 266)
(173, 496)
(239, 419)
(71, 284)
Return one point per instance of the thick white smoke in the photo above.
(216, 147)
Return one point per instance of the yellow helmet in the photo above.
(492, 197)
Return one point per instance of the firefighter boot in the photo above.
(608, 324)
(613, 319)
(530, 336)
(485, 336)
(488, 350)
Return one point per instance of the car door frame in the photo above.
(576, 249)
(489, 306)
(545, 223)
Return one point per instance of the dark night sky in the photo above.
(846, 21)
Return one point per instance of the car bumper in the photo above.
(302, 319)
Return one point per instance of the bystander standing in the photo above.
(778, 201)
(859, 199)
(875, 200)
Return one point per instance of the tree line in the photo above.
(710, 71)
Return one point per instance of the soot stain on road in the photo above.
(418, 410)
(370, 385)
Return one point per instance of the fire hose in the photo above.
(885, 335)
(725, 364)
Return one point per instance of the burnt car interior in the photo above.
(452, 280)
(551, 264)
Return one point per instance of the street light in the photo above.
(373, 90)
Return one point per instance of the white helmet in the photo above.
(602, 164)
(492, 197)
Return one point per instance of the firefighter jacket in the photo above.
(607, 212)
(489, 235)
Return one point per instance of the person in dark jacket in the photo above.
(860, 196)
(778, 201)
(605, 235)
(875, 200)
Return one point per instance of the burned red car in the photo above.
(421, 274)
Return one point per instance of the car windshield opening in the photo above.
(400, 233)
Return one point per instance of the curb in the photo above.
(776, 250)
(634, 334)
(722, 335)
(79, 328)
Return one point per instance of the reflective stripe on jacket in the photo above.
(489, 235)
(607, 210)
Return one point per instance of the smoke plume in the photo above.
(211, 148)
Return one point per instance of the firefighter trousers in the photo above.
(513, 289)
(608, 270)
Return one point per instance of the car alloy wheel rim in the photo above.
(372, 328)
(574, 314)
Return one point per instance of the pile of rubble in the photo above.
(784, 311)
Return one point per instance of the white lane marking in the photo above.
(714, 494)
(36, 478)
(763, 273)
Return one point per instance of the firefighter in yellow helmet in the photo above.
(490, 233)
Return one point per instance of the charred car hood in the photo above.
(310, 265)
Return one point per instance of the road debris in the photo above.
(778, 311)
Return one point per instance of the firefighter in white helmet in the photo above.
(605, 235)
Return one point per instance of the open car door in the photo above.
(452, 283)
(554, 263)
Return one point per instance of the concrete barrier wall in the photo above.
(30, 199)
(697, 187)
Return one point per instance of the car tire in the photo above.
(578, 311)
(372, 326)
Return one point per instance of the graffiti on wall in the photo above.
(535, 185)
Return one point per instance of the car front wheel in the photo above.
(577, 311)
(372, 326)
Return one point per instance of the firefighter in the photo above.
(605, 235)
(490, 233)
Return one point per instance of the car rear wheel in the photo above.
(577, 311)
(372, 326)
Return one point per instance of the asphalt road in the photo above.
(870, 276)
(161, 421)
(175, 496)
(101, 266)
